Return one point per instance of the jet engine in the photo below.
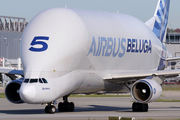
(146, 91)
(12, 91)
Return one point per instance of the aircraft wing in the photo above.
(11, 73)
(131, 76)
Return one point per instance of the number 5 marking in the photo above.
(39, 42)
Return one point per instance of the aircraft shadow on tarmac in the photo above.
(23, 111)
(77, 109)
(102, 108)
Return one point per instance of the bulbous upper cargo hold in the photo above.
(61, 39)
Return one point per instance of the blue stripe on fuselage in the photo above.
(162, 62)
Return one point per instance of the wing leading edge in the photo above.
(129, 76)
(11, 73)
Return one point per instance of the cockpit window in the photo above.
(33, 80)
(26, 80)
(40, 80)
(44, 80)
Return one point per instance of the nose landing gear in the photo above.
(50, 108)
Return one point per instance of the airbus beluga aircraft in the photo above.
(67, 51)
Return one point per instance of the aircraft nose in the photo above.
(27, 93)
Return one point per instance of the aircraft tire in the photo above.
(47, 109)
(139, 107)
(66, 107)
(71, 107)
(144, 107)
(50, 109)
(60, 107)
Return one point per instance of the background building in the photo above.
(173, 43)
(11, 29)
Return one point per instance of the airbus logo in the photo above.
(45, 88)
(118, 47)
(154, 90)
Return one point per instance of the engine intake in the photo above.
(12, 91)
(145, 91)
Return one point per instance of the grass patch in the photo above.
(2, 95)
(95, 95)
(161, 100)
(171, 87)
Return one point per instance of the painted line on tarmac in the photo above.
(164, 110)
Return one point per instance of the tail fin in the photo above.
(158, 24)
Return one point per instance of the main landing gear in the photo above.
(139, 107)
(62, 107)
(66, 106)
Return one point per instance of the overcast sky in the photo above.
(141, 9)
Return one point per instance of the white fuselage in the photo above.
(74, 50)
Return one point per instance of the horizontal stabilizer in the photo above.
(172, 58)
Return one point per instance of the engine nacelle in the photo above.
(145, 91)
(12, 91)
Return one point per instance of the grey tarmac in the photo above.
(92, 108)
